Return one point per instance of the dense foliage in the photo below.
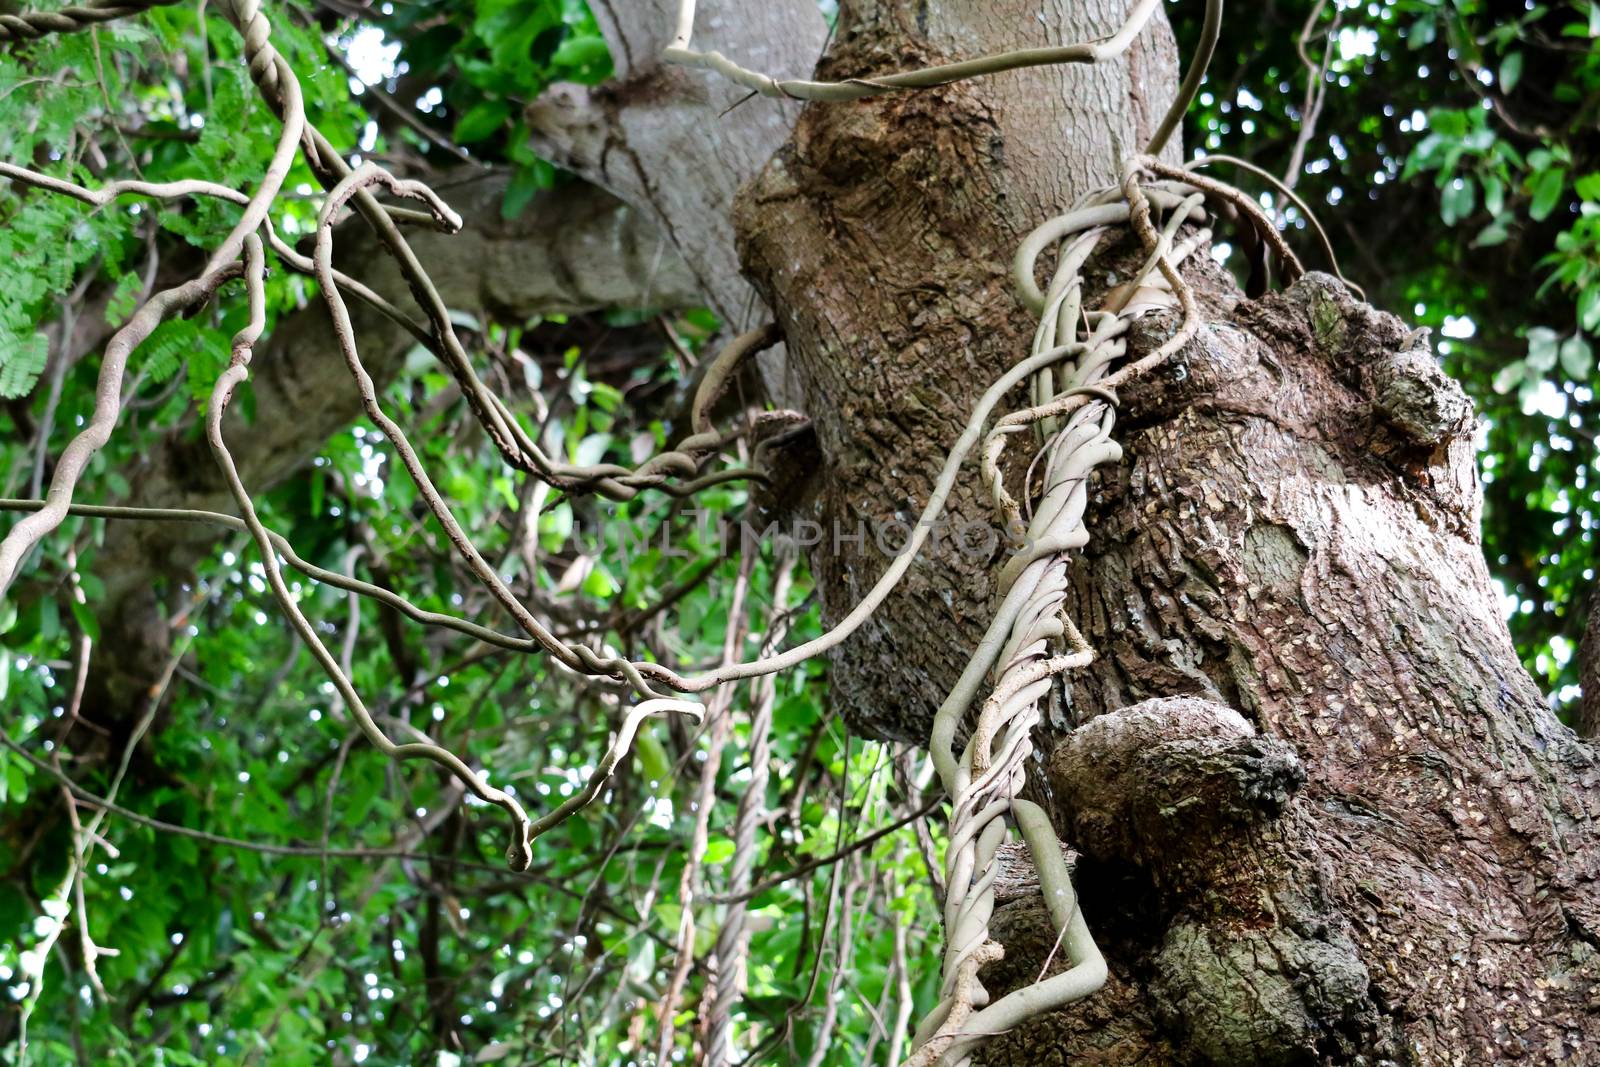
(1448, 150)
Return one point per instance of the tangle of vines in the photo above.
(279, 88)
(240, 255)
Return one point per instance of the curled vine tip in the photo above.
(519, 854)
(621, 744)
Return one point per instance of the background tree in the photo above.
(1287, 537)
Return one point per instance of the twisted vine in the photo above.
(1075, 414)
(733, 942)
(31, 25)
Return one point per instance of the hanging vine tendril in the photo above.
(240, 254)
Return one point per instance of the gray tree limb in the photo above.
(679, 144)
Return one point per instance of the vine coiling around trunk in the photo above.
(985, 775)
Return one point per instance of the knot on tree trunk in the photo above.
(1153, 783)
(1269, 997)
(1254, 965)
(1418, 399)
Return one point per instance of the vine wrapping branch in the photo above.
(680, 52)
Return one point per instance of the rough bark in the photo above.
(1589, 670)
(575, 249)
(1285, 542)
(882, 234)
(1359, 835)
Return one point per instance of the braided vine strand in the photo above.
(32, 25)
(733, 939)
(984, 776)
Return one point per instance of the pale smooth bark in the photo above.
(678, 144)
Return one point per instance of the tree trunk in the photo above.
(882, 235)
(1325, 814)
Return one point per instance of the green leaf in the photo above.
(1543, 345)
(1509, 376)
(1510, 72)
(606, 397)
(462, 487)
(22, 360)
(1458, 200)
(1546, 193)
(1494, 195)
(582, 53)
(1422, 33)
(17, 781)
(1449, 123)
(86, 620)
(555, 526)
(167, 348)
(507, 491)
(123, 298)
(1588, 187)
(1577, 358)
(1589, 307)
(482, 120)
(1493, 234)
(654, 763)
(599, 583)
(526, 183)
